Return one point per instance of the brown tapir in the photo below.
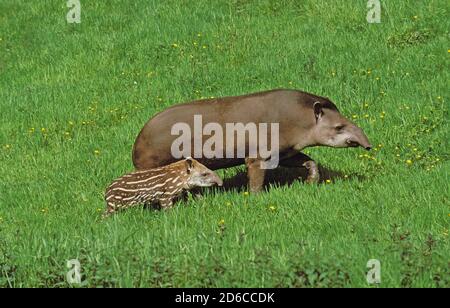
(304, 120)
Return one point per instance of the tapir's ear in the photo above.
(317, 110)
(189, 164)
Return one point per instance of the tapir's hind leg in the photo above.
(299, 160)
(110, 210)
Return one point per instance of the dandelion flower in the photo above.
(409, 162)
(328, 181)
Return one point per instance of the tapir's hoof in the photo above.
(313, 180)
(313, 172)
(256, 190)
(106, 215)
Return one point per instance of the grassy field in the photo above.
(73, 97)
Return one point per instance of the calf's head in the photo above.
(334, 130)
(200, 175)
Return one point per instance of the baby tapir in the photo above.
(159, 186)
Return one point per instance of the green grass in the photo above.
(69, 90)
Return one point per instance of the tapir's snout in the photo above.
(218, 181)
(360, 139)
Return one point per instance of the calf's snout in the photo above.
(219, 181)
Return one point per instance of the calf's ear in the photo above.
(189, 164)
(317, 110)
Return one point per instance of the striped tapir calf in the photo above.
(159, 186)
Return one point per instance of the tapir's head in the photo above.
(200, 175)
(334, 130)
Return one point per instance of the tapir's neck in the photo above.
(304, 139)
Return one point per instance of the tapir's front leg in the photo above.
(255, 174)
(299, 160)
(166, 203)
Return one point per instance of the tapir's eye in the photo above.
(340, 127)
(205, 174)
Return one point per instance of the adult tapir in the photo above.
(304, 120)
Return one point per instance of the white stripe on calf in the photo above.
(146, 180)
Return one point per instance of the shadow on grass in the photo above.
(284, 177)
